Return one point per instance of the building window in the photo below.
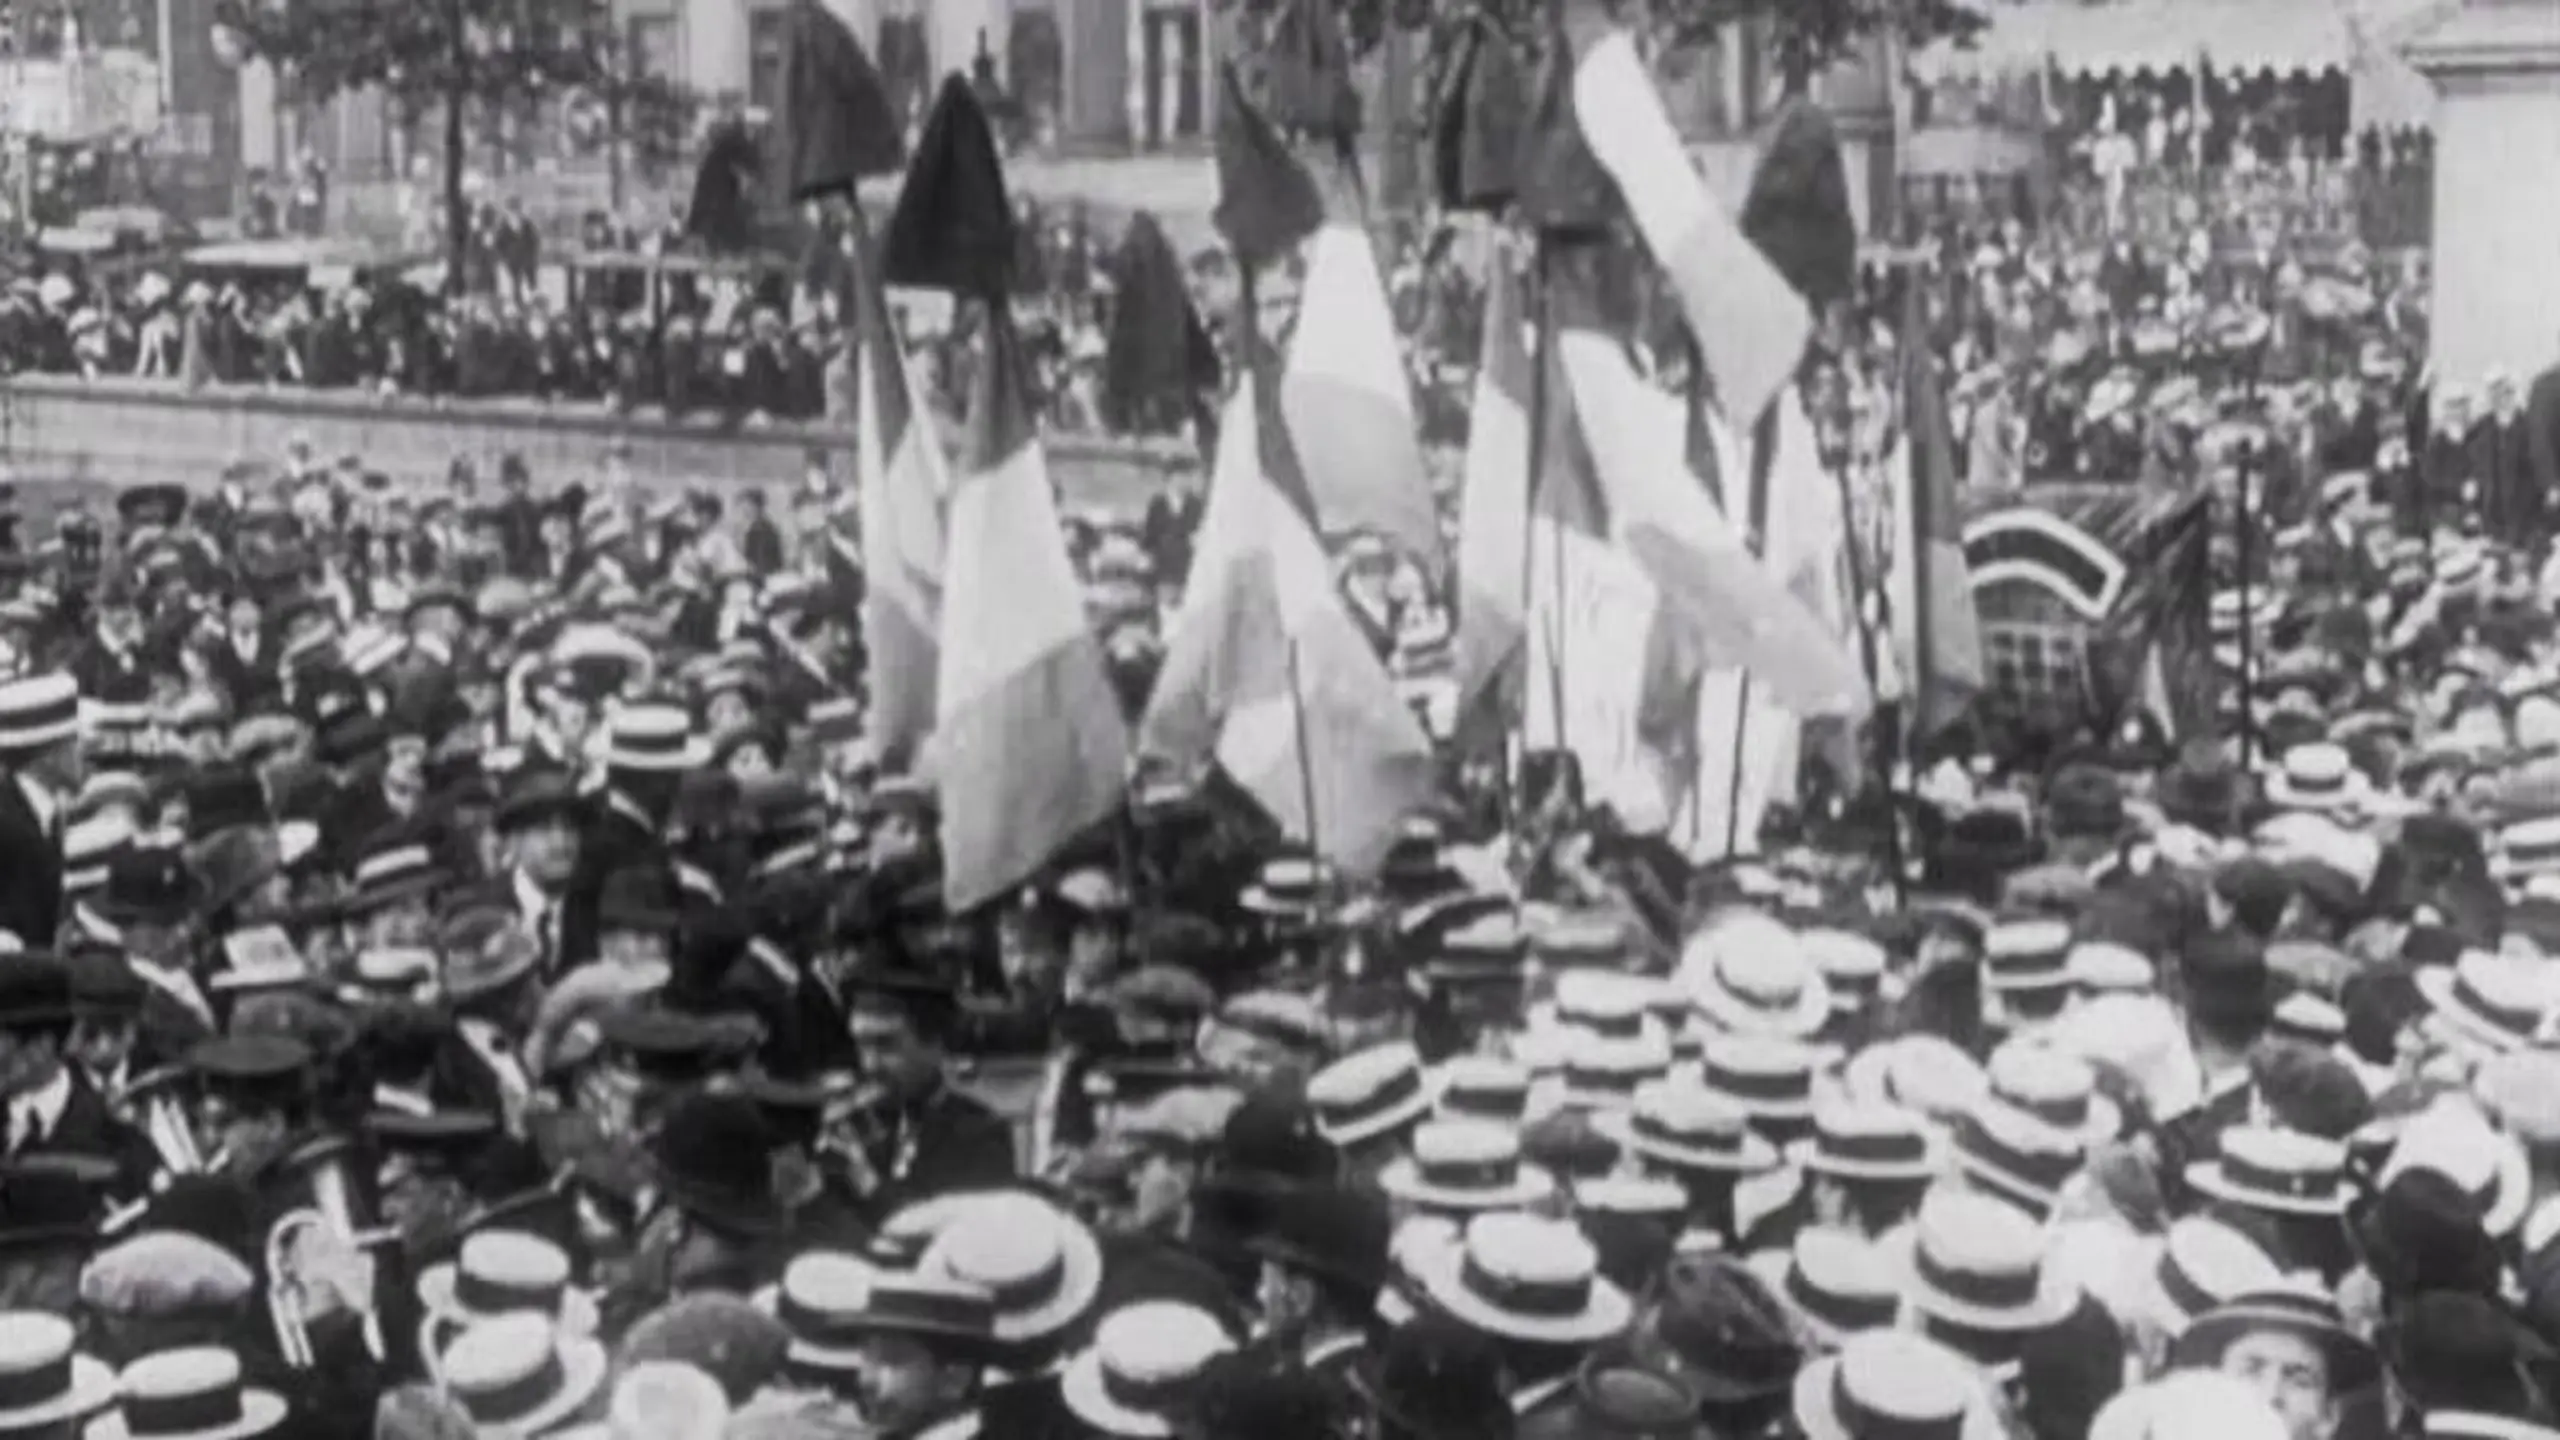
(768, 45)
(650, 48)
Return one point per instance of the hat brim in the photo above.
(578, 1317)
(2282, 794)
(1079, 1281)
(1817, 1407)
(2438, 985)
(1604, 1312)
(1806, 1015)
(583, 1365)
(1088, 1398)
(1261, 900)
(1809, 1156)
(1755, 1157)
(1402, 1179)
(2353, 1363)
(93, 1388)
(2512, 1182)
(2055, 1294)
(2206, 1178)
(692, 755)
(262, 1412)
(1370, 1127)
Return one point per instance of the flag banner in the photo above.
(1348, 404)
(1030, 749)
(901, 477)
(1493, 505)
(1937, 638)
(1751, 325)
(1263, 654)
(1591, 611)
(1744, 612)
(1722, 803)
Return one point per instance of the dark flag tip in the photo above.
(838, 126)
(1798, 208)
(1158, 356)
(1309, 72)
(1563, 190)
(1477, 136)
(1267, 202)
(953, 228)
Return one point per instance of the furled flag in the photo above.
(953, 229)
(1267, 202)
(1265, 672)
(1030, 749)
(900, 481)
(722, 212)
(1347, 403)
(1751, 324)
(1937, 637)
(1797, 212)
(1743, 612)
(1158, 360)
(837, 125)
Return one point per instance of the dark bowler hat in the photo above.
(1438, 1379)
(35, 990)
(147, 885)
(1335, 1232)
(714, 1157)
(533, 795)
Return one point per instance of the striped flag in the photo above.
(1743, 611)
(1751, 325)
(1937, 639)
(1347, 402)
(1030, 747)
(1263, 651)
(899, 475)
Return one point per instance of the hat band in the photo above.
(488, 1295)
(1404, 1085)
(2300, 1033)
(815, 1326)
(1596, 1081)
(1760, 1003)
(1900, 1147)
(2515, 1020)
(1990, 1289)
(1846, 1314)
(1782, 1085)
(1146, 1395)
(1609, 1027)
(1034, 1290)
(2025, 972)
(1866, 1422)
(146, 1416)
(26, 1389)
(2062, 1112)
(1504, 1102)
(2244, 1174)
(1716, 1142)
(509, 1403)
(1543, 1299)
(2316, 785)
(1468, 1174)
(2181, 1288)
(2042, 1173)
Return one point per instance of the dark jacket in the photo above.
(31, 856)
(948, 1144)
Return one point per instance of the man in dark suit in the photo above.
(47, 1107)
(39, 750)
(922, 1138)
(2542, 430)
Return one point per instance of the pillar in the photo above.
(2495, 65)
(1096, 36)
(714, 41)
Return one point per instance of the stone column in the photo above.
(1096, 41)
(2496, 264)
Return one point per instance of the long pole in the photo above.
(2242, 505)
(1887, 740)
(1541, 402)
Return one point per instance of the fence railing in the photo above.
(2314, 208)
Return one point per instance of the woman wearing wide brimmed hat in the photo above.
(519, 1376)
(191, 1394)
(1888, 1385)
(1465, 1166)
(1131, 1380)
(1527, 1278)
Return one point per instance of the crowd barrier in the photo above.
(125, 432)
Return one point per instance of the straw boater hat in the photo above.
(1682, 1125)
(2009, 1153)
(1529, 1278)
(37, 711)
(45, 1382)
(2030, 952)
(1767, 1078)
(1465, 1165)
(2317, 776)
(496, 1272)
(1866, 1140)
(2283, 1171)
(1043, 1266)
(2201, 1264)
(1979, 1265)
(1370, 1093)
(2056, 1088)
(2453, 1138)
(1143, 1359)
(190, 1394)
(517, 1376)
(1839, 1283)
(2493, 1001)
(1604, 1072)
(1926, 1073)
(1748, 974)
(830, 1302)
(655, 738)
(1482, 1087)
(1891, 1385)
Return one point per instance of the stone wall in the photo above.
(126, 432)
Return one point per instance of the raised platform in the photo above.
(125, 432)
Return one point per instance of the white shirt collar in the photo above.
(529, 896)
(46, 1103)
(2541, 1227)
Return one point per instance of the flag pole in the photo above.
(1306, 758)
(1541, 401)
(1248, 370)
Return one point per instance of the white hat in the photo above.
(2049, 1084)
(2454, 1139)
(1889, 1383)
(1142, 1358)
(1465, 1165)
(48, 1380)
(2316, 776)
(190, 1394)
(1748, 974)
(518, 1376)
(654, 738)
(2494, 1001)
(1043, 1266)
(1369, 1093)
(2201, 1264)
(38, 710)
(2187, 1403)
(1867, 1140)
(1683, 1125)
(2285, 1171)
(496, 1272)
(1527, 1277)
(1980, 1264)
(1839, 1282)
